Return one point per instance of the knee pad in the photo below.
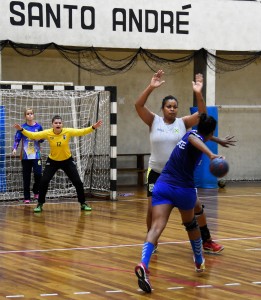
(200, 212)
(190, 226)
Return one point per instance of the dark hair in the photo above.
(56, 117)
(169, 97)
(207, 124)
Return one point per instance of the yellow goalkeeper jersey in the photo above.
(59, 143)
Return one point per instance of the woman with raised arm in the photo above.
(165, 133)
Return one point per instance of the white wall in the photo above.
(243, 88)
(220, 24)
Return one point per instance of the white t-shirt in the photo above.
(163, 138)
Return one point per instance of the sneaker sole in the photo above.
(89, 209)
(38, 210)
(210, 251)
(143, 284)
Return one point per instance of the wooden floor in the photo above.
(63, 253)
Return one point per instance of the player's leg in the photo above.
(152, 177)
(69, 167)
(160, 216)
(192, 228)
(50, 169)
(149, 214)
(27, 170)
(208, 244)
(185, 200)
(37, 169)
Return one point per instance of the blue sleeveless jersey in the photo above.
(179, 170)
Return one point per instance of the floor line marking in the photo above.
(119, 246)
(122, 291)
(200, 197)
(254, 249)
(133, 199)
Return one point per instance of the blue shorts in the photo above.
(183, 198)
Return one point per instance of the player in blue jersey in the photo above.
(30, 155)
(165, 132)
(175, 188)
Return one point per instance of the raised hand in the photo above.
(156, 80)
(197, 85)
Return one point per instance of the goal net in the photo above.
(79, 107)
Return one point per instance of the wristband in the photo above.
(93, 128)
(21, 129)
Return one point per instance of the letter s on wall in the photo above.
(13, 21)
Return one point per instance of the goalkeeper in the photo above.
(60, 157)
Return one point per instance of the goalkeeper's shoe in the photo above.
(38, 208)
(85, 207)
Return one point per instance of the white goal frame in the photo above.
(112, 192)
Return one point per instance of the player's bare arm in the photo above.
(144, 113)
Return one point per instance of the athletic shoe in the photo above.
(36, 196)
(199, 267)
(85, 207)
(38, 208)
(143, 277)
(155, 250)
(26, 201)
(212, 247)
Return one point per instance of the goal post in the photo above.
(79, 106)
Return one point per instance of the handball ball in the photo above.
(218, 167)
